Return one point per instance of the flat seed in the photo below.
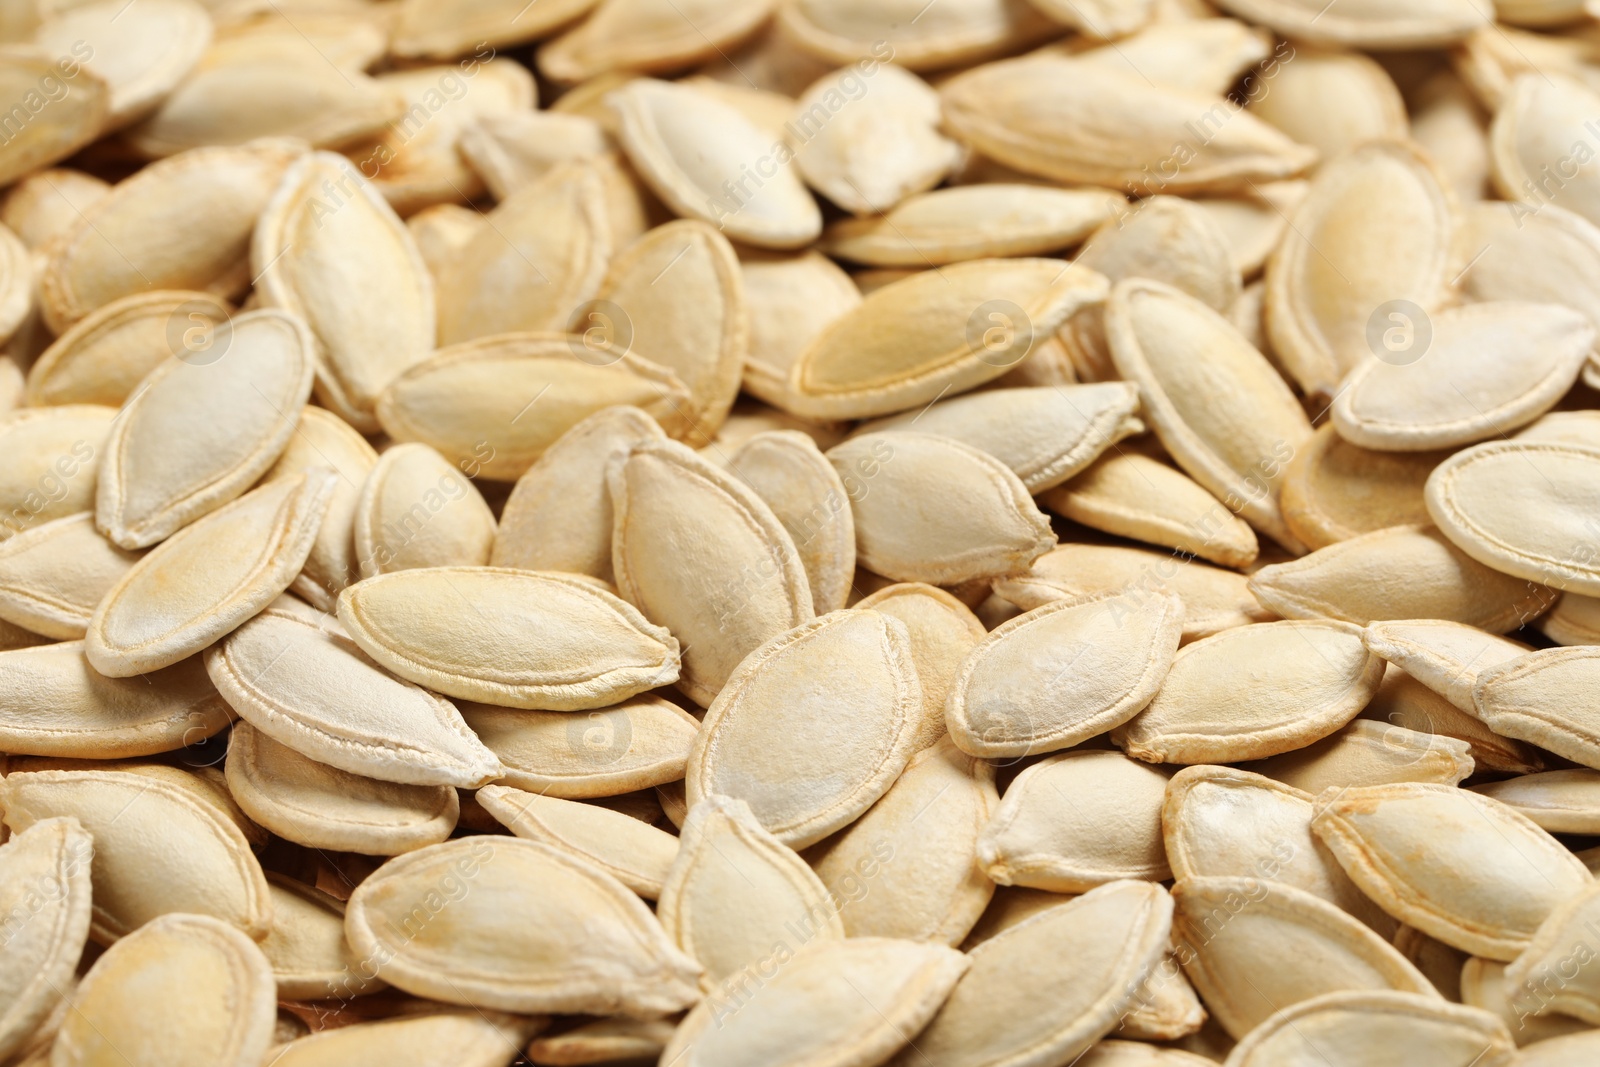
(1074, 965)
(1402, 844)
(1206, 55)
(992, 528)
(942, 630)
(650, 35)
(764, 735)
(183, 223)
(1063, 673)
(1253, 225)
(525, 928)
(1483, 498)
(158, 848)
(312, 689)
(79, 121)
(1252, 692)
(1374, 1028)
(52, 455)
(1404, 572)
(843, 31)
(46, 202)
(604, 1041)
(642, 742)
(1575, 620)
(142, 57)
(1255, 947)
(908, 867)
(1333, 490)
(1111, 1053)
(1540, 698)
(182, 989)
(243, 407)
(509, 637)
(1373, 752)
(1377, 225)
(493, 406)
(695, 549)
(352, 273)
(1047, 832)
(1215, 402)
(686, 144)
(1083, 124)
(102, 358)
(322, 439)
(558, 517)
(1403, 701)
(1446, 657)
(790, 300)
(1564, 801)
(1046, 435)
(1415, 24)
(794, 478)
(53, 575)
(635, 854)
(1534, 127)
(426, 29)
(1483, 986)
(1332, 101)
(853, 1001)
(45, 873)
(416, 510)
(310, 958)
(318, 806)
(466, 1038)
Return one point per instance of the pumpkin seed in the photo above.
(1332, 101)
(797, 482)
(142, 58)
(1444, 656)
(322, 439)
(1536, 126)
(46, 202)
(649, 35)
(789, 299)
(942, 630)
(1333, 490)
(79, 120)
(1575, 620)
(633, 853)
(467, 1038)
(416, 510)
(1403, 701)
(843, 31)
(52, 576)
(1375, 1028)
(51, 468)
(45, 873)
(1205, 54)
(310, 957)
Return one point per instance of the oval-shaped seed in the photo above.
(1213, 599)
(53, 575)
(1377, 1027)
(1333, 490)
(1552, 973)
(650, 35)
(1524, 508)
(897, 115)
(80, 118)
(44, 891)
(1533, 133)
(1332, 101)
(1405, 572)
(765, 735)
(642, 742)
(208, 578)
(312, 689)
(1076, 965)
(1377, 226)
(1413, 24)
(182, 989)
(158, 847)
(1049, 831)
(1132, 495)
(1575, 620)
(322, 439)
(1206, 55)
(1549, 256)
(790, 300)
(519, 926)
(494, 405)
(542, 254)
(1063, 673)
(991, 527)
(1483, 985)
(104, 356)
(57, 705)
(1580, 427)
(936, 332)
(908, 867)
(1215, 402)
(1474, 387)
(183, 223)
(695, 152)
(1562, 802)
(46, 202)
(1544, 698)
(789, 473)
(1378, 751)
(323, 98)
(1087, 124)
(351, 270)
(1221, 822)
(1044, 434)
(1114, 1053)
(1403, 701)
(973, 222)
(1252, 225)
(558, 517)
(317, 806)
(860, 998)
(237, 413)
(942, 630)
(683, 264)
(426, 29)
(843, 31)
(52, 454)
(311, 960)
(1255, 946)
(416, 510)
(634, 853)
(1254, 691)
(142, 56)
(1444, 656)
(604, 1041)
(1403, 844)
(465, 1038)
(694, 548)
(734, 891)
(509, 637)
